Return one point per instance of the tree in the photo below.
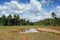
(4, 17)
(9, 18)
(53, 15)
(17, 20)
(22, 22)
(14, 19)
(59, 21)
(55, 18)
(4, 20)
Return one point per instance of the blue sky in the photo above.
(33, 10)
(56, 2)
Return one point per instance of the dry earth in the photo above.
(7, 34)
(49, 30)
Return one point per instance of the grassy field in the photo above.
(13, 27)
(40, 36)
(12, 33)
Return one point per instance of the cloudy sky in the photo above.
(33, 10)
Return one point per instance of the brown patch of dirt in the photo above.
(6, 35)
(23, 37)
(49, 30)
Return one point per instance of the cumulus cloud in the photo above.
(32, 11)
(12, 7)
(57, 10)
(46, 2)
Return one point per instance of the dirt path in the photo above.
(49, 30)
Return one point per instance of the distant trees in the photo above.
(16, 20)
(55, 21)
(13, 21)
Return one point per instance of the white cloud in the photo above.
(32, 11)
(12, 8)
(46, 2)
(57, 10)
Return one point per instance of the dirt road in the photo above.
(49, 30)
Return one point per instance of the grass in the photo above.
(35, 26)
(41, 36)
(6, 33)
(16, 36)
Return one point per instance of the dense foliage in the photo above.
(13, 21)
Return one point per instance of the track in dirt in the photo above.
(49, 30)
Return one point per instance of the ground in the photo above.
(12, 33)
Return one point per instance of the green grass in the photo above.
(35, 26)
(42, 36)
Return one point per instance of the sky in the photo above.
(33, 10)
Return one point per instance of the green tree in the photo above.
(4, 19)
(15, 19)
(18, 20)
(59, 21)
(53, 15)
(9, 18)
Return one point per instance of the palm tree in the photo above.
(53, 15)
(55, 18)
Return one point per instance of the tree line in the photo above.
(13, 21)
(54, 21)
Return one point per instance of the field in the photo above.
(12, 33)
